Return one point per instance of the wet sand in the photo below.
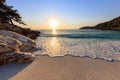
(68, 68)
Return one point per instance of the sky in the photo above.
(70, 14)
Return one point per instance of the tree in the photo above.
(8, 14)
(13, 15)
(2, 1)
(3, 16)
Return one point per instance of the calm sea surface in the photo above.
(102, 44)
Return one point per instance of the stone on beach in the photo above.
(15, 48)
(16, 58)
(4, 48)
(9, 43)
(26, 43)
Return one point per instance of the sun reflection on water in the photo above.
(54, 31)
(54, 46)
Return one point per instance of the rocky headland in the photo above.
(15, 48)
(16, 43)
(113, 24)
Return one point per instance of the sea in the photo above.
(97, 44)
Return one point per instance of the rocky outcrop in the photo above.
(109, 25)
(23, 31)
(4, 48)
(15, 48)
(25, 43)
(16, 58)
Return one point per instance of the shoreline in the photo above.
(96, 58)
(62, 68)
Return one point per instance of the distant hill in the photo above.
(109, 25)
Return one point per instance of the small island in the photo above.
(109, 25)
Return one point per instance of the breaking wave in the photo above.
(87, 34)
(95, 44)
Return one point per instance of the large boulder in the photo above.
(4, 48)
(8, 44)
(26, 43)
(16, 58)
(15, 48)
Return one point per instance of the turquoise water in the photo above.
(83, 34)
(102, 44)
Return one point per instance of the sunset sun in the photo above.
(60, 39)
(54, 24)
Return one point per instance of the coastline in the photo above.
(61, 51)
(64, 68)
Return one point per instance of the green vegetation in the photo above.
(8, 14)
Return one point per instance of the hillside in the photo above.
(113, 24)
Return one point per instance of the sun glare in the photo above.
(54, 24)
(54, 31)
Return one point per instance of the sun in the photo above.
(53, 24)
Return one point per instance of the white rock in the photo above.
(11, 42)
(4, 48)
(8, 44)
(16, 58)
(26, 43)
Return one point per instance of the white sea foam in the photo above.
(107, 50)
(91, 43)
